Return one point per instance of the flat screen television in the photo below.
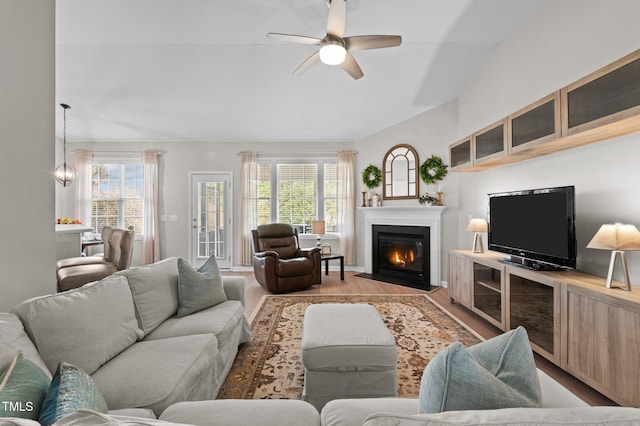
(535, 226)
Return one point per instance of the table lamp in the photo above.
(478, 226)
(317, 227)
(618, 238)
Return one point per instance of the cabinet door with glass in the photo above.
(534, 303)
(488, 291)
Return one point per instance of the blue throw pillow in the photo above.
(498, 373)
(199, 289)
(71, 390)
(23, 387)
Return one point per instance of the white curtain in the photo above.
(150, 236)
(346, 204)
(248, 208)
(82, 161)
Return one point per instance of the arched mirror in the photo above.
(400, 173)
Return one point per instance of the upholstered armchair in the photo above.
(77, 271)
(280, 265)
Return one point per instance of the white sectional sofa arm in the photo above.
(234, 288)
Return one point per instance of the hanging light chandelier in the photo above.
(65, 174)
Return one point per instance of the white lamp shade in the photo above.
(477, 225)
(616, 237)
(317, 226)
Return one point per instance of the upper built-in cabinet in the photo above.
(460, 154)
(602, 105)
(535, 124)
(490, 143)
(606, 96)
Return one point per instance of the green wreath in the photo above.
(371, 176)
(433, 170)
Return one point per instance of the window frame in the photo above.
(320, 184)
(121, 161)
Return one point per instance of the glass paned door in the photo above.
(211, 232)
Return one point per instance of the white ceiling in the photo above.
(203, 70)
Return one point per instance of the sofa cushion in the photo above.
(13, 340)
(200, 288)
(584, 416)
(23, 387)
(160, 372)
(93, 418)
(71, 389)
(497, 373)
(242, 412)
(155, 292)
(220, 320)
(86, 326)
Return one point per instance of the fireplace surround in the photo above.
(428, 216)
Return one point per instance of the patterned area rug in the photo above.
(270, 366)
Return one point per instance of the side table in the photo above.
(327, 257)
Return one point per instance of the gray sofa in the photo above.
(124, 332)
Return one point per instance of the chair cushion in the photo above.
(80, 260)
(199, 289)
(86, 326)
(275, 230)
(296, 267)
(71, 389)
(23, 387)
(76, 276)
(155, 292)
(286, 247)
(497, 373)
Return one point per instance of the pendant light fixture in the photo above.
(65, 174)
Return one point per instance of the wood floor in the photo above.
(331, 284)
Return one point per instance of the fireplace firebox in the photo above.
(401, 255)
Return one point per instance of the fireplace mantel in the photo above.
(430, 216)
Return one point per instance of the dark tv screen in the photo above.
(534, 224)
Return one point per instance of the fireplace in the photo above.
(401, 255)
(423, 216)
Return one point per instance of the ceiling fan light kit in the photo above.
(335, 49)
(332, 52)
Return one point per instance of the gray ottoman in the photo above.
(347, 352)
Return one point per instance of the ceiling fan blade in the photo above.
(351, 67)
(311, 61)
(337, 18)
(372, 42)
(295, 38)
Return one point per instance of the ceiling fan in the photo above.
(335, 49)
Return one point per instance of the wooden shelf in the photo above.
(491, 285)
(603, 105)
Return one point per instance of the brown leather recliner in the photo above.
(78, 271)
(280, 265)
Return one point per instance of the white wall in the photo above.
(180, 158)
(430, 133)
(562, 42)
(27, 254)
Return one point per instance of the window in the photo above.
(296, 192)
(116, 195)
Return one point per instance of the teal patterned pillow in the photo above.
(199, 289)
(498, 373)
(71, 389)
(22, 389)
